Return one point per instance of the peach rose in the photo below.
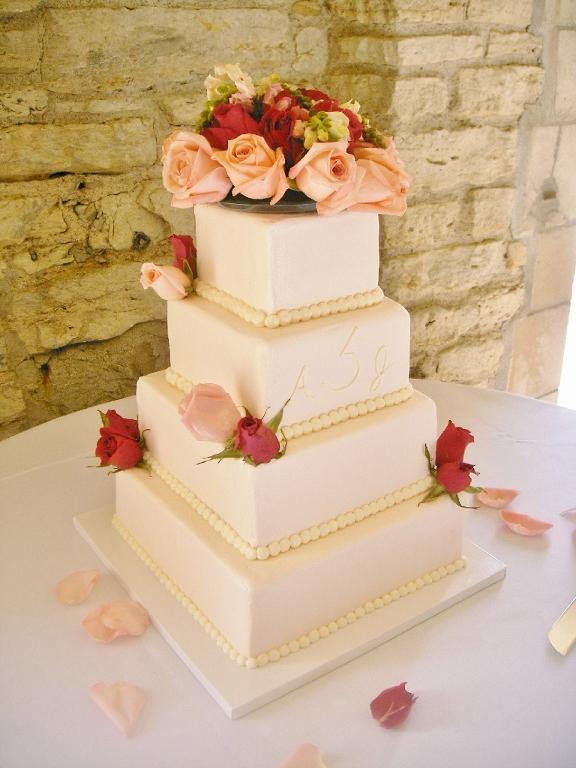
(209, 413)
(255, 170)
(328, 174)
(169, 282)
(189, 171)
(385, 184)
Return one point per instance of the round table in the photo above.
(491, 689)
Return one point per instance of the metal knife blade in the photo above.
(563, 633)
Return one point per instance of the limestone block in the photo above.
(183, 110)
(120, 107)
(566, 75)
(36, 151)
(567, 12)
(96, 303)
(25, 217)
(517, 254)
(156, 199)
(19, 50)
(516, 14)
(539, 193)
(12, 403)
(419, 98)
(306, 8)
(475, 362)
(378, 12)
(554, 265)
(423, 226)
(110, 48)
(361, 49)
(564, 172)
(447, 275)
(20, 6)
(491, 212)
(374, 92)
(311, 51)
(122, 224)
(442, 160)
(26, 102)
(498, 91)
(39, 259)
(426, 50)
(537, 351)
(517, 44)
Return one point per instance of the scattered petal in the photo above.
(570, 514)
(524, 524)
(111, 620)
(76, 587)
(392, 706)
(306, 756)
(498, 498)
(121, 702)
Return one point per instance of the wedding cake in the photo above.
(275, 534)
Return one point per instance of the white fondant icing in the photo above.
(260, 607)
(322, 420)
(323, 366)
(275, 548)
(277, 262)
(323, 474)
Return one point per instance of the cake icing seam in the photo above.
(296, 644)
(324, 420)
(293, 541)
(284, 317)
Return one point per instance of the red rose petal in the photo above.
(496, 497)
(524, 524)
(392, 706)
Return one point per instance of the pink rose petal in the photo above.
(569, 514)
(306, 756)
(496, 497)
(392, 706)
(121, 702)
(111, 620)
(524, 524)
(76, 587)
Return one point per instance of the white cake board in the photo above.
(239, 690)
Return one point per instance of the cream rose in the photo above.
(255, 170)
(189, 171)
(169, 282)
(328, 174)
(385, 184)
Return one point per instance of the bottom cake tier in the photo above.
(260, 611)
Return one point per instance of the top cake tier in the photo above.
(286, 261)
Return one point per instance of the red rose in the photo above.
(117, 450)
(455, 476)
(118, 425)
(184, 252)
(231, 120)
(256, 440)
(327, 105)
(452, 443)
(276, 127)
(314, 94)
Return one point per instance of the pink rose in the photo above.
(255, 439)
(385, 184)
(328, 174)
(189, 171)
(209, 413)
(169, 282)
(255, 170)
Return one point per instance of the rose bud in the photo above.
(117, 451)
(209, 413)
(255, 440)
(169, 282)
(452, 444)
(184, 253)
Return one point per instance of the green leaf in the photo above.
(189, 272)
(104, 418)
(435, 492)
(276, 420)
(456, 500)
(227, 453)
(473, 489)
(429, 460)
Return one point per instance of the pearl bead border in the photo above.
(324, 420)
(295, 540)
(297, 644)
(284, 317)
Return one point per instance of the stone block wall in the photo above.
(89, 88)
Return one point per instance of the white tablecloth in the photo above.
(492, 691)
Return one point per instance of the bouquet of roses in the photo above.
(262, 139)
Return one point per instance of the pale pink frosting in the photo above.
(76, 587)
(189, 171)
(328, 174)
(121, 702)
(111, 620)
(169, 282)
(255, 170)
(209, 413)
(384, 187)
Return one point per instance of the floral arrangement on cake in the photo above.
(120, 445)
(265, 138)
(450, 473)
